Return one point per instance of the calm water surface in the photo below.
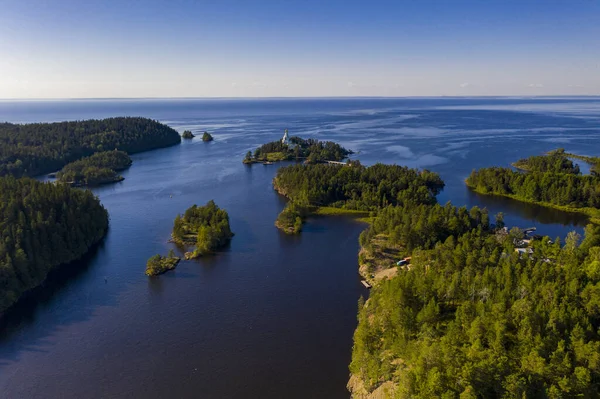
(271, 316)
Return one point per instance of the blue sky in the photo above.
(234, 48)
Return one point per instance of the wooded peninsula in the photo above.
(42, 226)
(100, 168)
(469, 316)
(551, 180)
(458, 310)
(351, 188)
(38, 148)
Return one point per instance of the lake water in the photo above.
(272, 316)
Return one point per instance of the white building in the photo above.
(285, 139)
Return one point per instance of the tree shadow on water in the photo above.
(26, 325)
(524, 210)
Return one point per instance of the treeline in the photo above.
(38, 148)
(553, 162)
(474, 319)
(310, 149)
(356, 186)
(99, 168)
(43, 225)
(206, 227)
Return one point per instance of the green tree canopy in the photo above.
(42, 226)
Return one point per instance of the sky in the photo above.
(298, 48)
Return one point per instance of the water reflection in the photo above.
(44, 297)
(524, 210)
(155, 285)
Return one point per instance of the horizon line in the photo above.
(293, 97)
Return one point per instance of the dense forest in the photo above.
(550, 179)
(96, 169)
(206, 227)
(43, 225)
(38, 148)
(420, 226)
(313, 151)
(355, 186)
(471, 318)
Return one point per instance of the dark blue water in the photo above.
(272, 316)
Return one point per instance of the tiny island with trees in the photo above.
(159, 264)
(296, 148)
(205, 227)
(188, 135)
(206, 137)
(550, 180)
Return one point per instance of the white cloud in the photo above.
(535, 85)
(466, 84)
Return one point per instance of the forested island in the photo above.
(550, 180)
(206, 227)
(37, 148)
(187, 134)
(296, 148)
(206, 136)
(553, 162)
(353, 189)
(457, 311)
(100, 168)
(42, 226)
(291, 219)
(159, 264)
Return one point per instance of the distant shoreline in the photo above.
(507, 96)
